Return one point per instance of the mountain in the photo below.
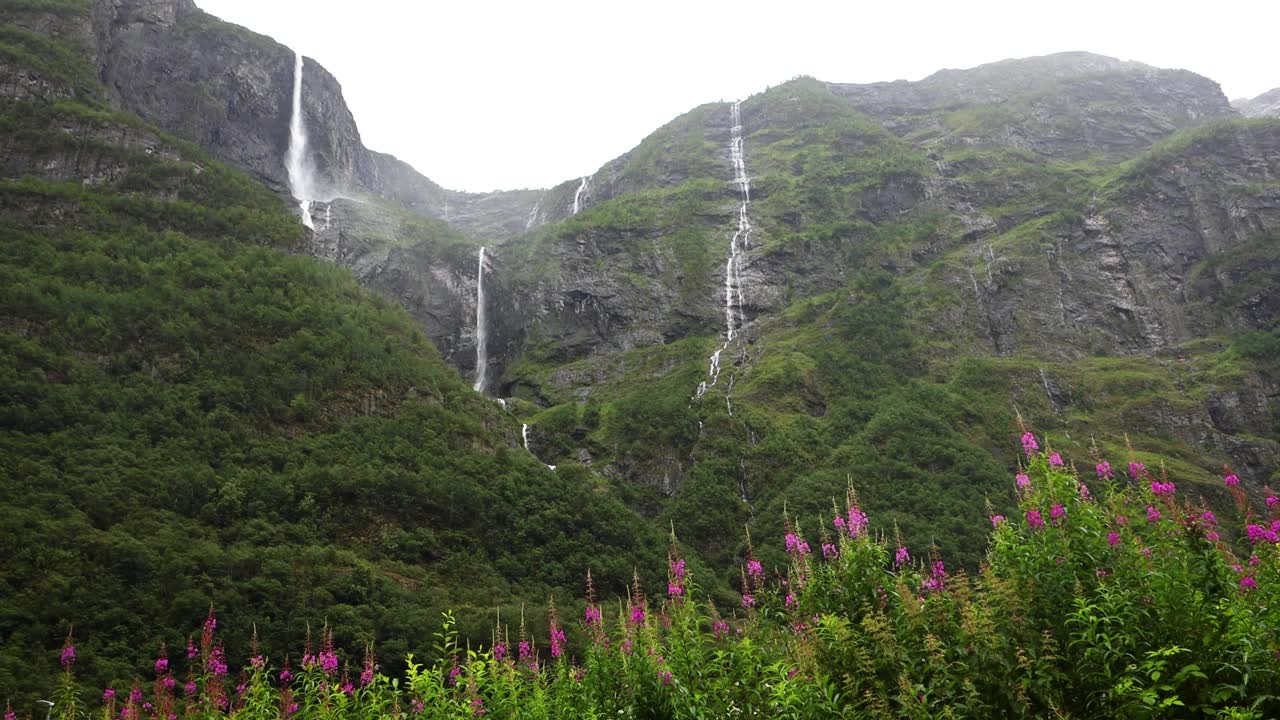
(1265, 105)
(1079, 243)
(196, 411)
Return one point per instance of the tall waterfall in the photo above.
(738, 246)
(577, 196)
(482, 333)
(301, 183)
(533, 215)
(524, 435)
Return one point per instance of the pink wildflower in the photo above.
(901, 557)
(748, 601)
(1034, 520)
(1055, 460)
(1104, 470)
(1247, 583)
(1023, 480)
(1113, 538)
(1152, 514)
(857, 522)
(1029, 444)
(1136, 469)
(1162, 489)
(1272, 501)
(1057, 512)
(755, 570)
(829, 551)
(996, 520)
(1231, 480)
(1083, 491)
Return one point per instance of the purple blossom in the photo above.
(477, 707)
(415, 706)
(1034, 520)
(996, 520)
(1113, 538)
(1122, 520)
(1136, 469)
(1247, 583)
(674, 590)
(285, 675)
(1162, 489)
(1023, 480)
(1212, 536)
(1231, 480)
(720, 629)
(8, 713)
(665, 677)
(499, 651)
(1258, 533)
(637, 615)
(328, 661)
(755, 569)
(901, 557)
(1029, 444)
(135, 695)
(557, 641)
(1055, 460)
(108, 695)
(1083, 491)
(796, 546)
(857, 522)
(1153, 514)
(1208, 518)
(790, 599)
(1272, 501)
(1056, 513)
(192, 652)
(591, 616)
(1254, 560)
(454, 672)
(189, 688)
(748, 601)
(523, 650)
(1104, 470)
(677, 569)
(829, 551)
(162, 665)
(68, 656)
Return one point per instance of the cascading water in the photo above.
(533, 215)
(524, 435)
(577, 196)
(738, 246)
(482, 334)
(301, 183)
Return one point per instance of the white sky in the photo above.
(481, 95)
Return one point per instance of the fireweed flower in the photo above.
(1104, 470)
(1162, 489)
(68, 655)
(477, 707)
(1247, 583)
(1272, 501)
(1023, 481)
(1258, 533)
(135, 695)
(1122, 520)
(1152, 514)
(829, 551)
(1057, 512)
(1208, 518)
(499, 651)
(1034, 520)
(857, 522)
(1231, 480)
(416, 706)
(162, 665)
(901, 557)
(720, 629)
(748, 601)
(557, 641)
(108, 694)
(189, 688)
(192, 652)
(8, 713)
(1113, 538)
(637, 615)
(1083, 491)
(796, 546)
(1136, 469)
(674, 590)
(285, 675)
(790, 599)
(1254, 560)
(1055, 460)
(591, 616)
(755, 570)
(1029, 444)
(996, 520)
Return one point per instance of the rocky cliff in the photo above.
(1265, 105)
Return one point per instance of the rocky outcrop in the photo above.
(228, 89)
(1265, 105)
(1069, 105)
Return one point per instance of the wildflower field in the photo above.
(1109, 595)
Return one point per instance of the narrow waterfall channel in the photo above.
(738, 246)
(482, 333)
(577, 196)
(301, 183)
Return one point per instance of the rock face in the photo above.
(228, 89)
(1265, 105)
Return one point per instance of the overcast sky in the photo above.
(485, 95)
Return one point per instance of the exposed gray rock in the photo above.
(1265, 105)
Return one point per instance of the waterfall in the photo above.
(524, 435)
(482, 334)
(533, 215)
(300, 181)
(577, 196)
(738, 246)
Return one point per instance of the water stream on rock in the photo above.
(482, 334)
(300, 182)
(533, 215)
(577, 196)
(524, 435)
(737, 250)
